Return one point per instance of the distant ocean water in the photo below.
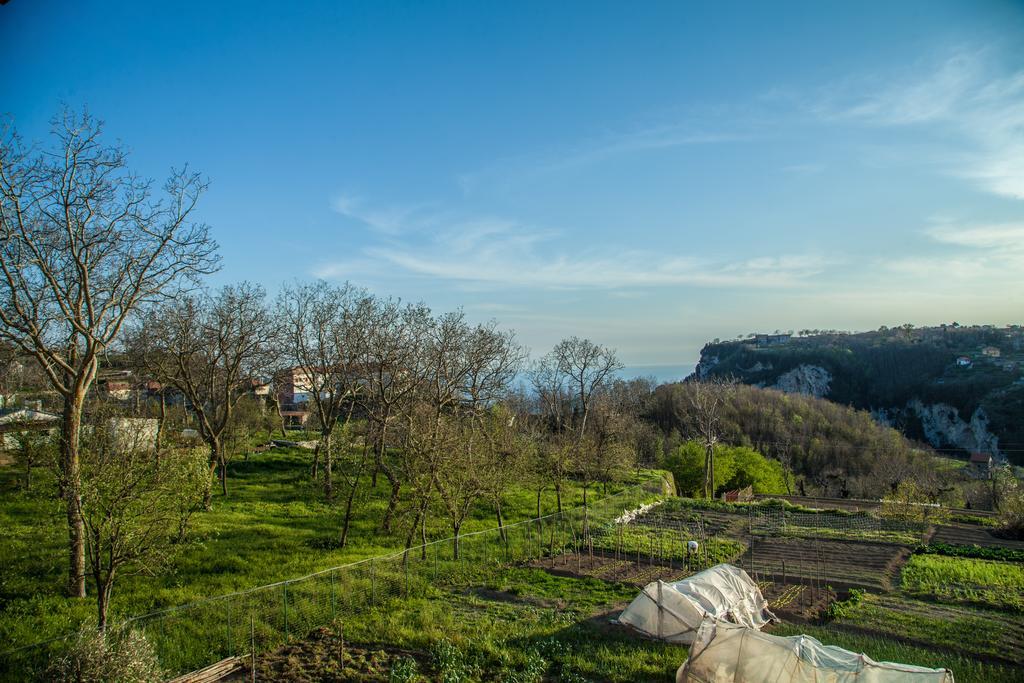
(661, 373)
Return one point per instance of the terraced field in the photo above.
(966, 534)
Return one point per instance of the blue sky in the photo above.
(650, 175)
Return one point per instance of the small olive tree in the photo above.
(135, 509)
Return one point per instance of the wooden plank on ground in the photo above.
(212, 673)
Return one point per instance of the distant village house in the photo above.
(771, 339)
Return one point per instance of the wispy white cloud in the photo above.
(967, 95)
(983, 254)
(1000, 236)
(605, 147)
(506, 253)
(387, 219)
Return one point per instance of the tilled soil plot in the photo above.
(964, 534)
(797, 602)
(711, 522)
(611, 569)
(840, 564)
(323, 657)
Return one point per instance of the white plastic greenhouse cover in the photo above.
(726, 653)
(674, 611)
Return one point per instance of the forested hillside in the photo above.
(960, 389)
(829, 448)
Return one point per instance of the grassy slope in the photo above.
(272, 526)
(988, 583)
(522, 624)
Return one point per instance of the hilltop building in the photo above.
(771, 339)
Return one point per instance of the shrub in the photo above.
(843, 608)
(910, 504)
(735, 467)
(1010, 504)
(95, 657)
(404, 670)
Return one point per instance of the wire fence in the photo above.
(191, 636)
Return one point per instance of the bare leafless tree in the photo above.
(707, 398)
(566, 381)
(323, 336)
(587, 368)
(209, 347)
(394, 371)
(478, 365)
(83, 243)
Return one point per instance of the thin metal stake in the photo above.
(252, 648)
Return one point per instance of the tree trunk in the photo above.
(214, 463)
(396, 485)
(328, 483)
(539, 491)
(389, 514)
(423, 537)
(72, 486)
(414, 527)
(351, 497)
(456, 550)
(711, 476)
(103, 589)
(586, 517)
(708, 472)
(223, 475)
(501, 522)
(314, 471)
(160, 427)
(558, 495)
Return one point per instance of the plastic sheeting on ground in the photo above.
(726, 653)
(674, 611)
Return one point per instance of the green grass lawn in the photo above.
(273, 525)
(522, 624)
(964, 630)
(988, 583)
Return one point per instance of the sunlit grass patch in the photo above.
(966, 580)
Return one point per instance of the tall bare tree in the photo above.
(83, 243)
(707, 399)
(478, 365)
(394, 372)
(323, 336)
(209, 347)
(567, 381)
(588, 368)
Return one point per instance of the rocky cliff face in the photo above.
(705, 366)
(810, 380)
(943, 426)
